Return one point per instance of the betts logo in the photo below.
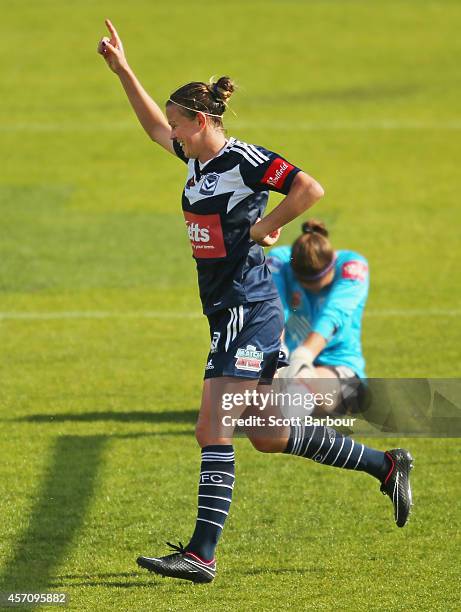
(197, 233)
(205, 235)
(354, 270)
(277, 173)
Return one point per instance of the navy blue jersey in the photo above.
(221, 201)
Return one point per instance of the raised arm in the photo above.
(148, 112)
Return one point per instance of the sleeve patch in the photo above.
(354, 270)
(277, 173)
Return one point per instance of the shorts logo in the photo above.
(209, 365)
(354, 270)
(282, 355)
(249, 359)
(206, 235)
(215, 341)
(210, 183)
(277, 173)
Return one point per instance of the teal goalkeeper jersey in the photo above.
(335, 312)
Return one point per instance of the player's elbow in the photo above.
(315, 190)
(310, 190)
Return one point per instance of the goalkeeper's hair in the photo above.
(312, 251)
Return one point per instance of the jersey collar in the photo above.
(199, 168)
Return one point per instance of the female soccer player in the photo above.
(323, 293)
(223, 200)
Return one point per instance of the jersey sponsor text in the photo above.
(277, 173)
(206, 235)
(354, 270)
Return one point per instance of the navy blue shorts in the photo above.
(245, 341)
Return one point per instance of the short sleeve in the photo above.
(179, 152)
(264, 170)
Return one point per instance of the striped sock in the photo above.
(214, 498)
(328, 446)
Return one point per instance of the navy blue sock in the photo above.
(328, 446)
(214, 498)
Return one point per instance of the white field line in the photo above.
(159, 314)
(384, 124)
(403, 312)
(306, 126)
(99, 314)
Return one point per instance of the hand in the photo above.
(301, 364)
(260, 237)
(112, 49)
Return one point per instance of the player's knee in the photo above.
(205, 437)
(265, 445)
(201, 435)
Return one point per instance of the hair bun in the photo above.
(222, 89)
(314, 227)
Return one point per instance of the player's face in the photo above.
(185, 130)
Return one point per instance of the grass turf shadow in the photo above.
(103, 579)
(106, 584)
(57, 514)
(137, 416)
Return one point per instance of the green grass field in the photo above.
(102, 343)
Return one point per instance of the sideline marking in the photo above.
(158, 314)
(383, 124)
